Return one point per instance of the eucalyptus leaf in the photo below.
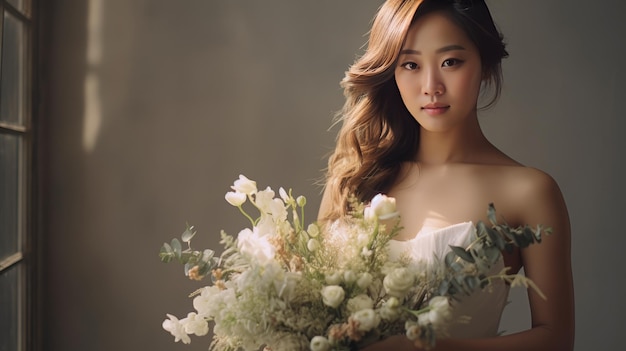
(450, 258)
(177, 248)
(496, 238)
(188, 234)
(464, 255)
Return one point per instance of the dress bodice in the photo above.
(483, 307)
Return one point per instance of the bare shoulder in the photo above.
(534, 194)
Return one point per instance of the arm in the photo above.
(548, 264)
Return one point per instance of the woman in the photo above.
(410, 130)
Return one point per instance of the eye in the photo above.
(451, 62)
(410, 66)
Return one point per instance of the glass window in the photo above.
(12, 87)
(17, 269)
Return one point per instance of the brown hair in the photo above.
(378, 133)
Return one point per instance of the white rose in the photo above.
(244, 185)
(399, 282)
(360, 302)
(367, 319)
(235, 198)
(333, 295)
(365, 279)
(384, 207)
(319, 343)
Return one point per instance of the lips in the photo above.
(435, 108)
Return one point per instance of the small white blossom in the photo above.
(313, 230)
(364, 280)
(333, 295)
(195, 324)
(390, 310)
(349, 276)
(177, 329)
(359, 302)
(384, 207)
(334, 278)
(235, 198)
(439, 314)
(319, 343)
(313, 245)
(367, 318)
(244, 185)
(283, 194)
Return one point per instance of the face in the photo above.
(439, 74)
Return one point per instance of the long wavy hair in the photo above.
(378, 133)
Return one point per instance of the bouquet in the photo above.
(284, 285)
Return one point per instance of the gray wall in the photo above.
(154, 107)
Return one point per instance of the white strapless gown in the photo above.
(483, 307)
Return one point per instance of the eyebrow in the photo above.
(439, 51)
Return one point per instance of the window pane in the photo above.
(22, 5)
(9, 201)
(10, 307)
(13, 89)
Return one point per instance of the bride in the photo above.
(410, 130)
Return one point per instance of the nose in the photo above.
(432, 84)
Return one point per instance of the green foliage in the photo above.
(484, 252)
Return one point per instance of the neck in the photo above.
(461, 145)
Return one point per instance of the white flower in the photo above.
(439, 313)
(313, 245)
(249, 243)
(177, 329)
(235, 198)
(287, 286)
(263, 200)
(413, 331)
(195, 324)
(367, 318)
(333, 295)
(313, 230)
(369, 214)
(334, 278)
(365, 279)
(390, 310)
(244, 185)
(283, 194)
(349, 276)
(384, 207)
(359, 302)
(399, 282)
(319, 343)
(278, 210)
